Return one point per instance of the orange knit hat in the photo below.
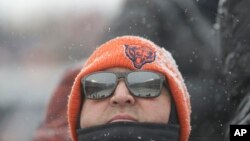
(133, 52)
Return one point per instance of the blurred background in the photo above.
(39, 39)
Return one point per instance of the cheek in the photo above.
(157, 110)
(92, 114)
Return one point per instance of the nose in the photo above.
(122, 96)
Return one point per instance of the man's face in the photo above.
(122, 106)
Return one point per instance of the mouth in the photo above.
(122, 118)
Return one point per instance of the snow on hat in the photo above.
(134, 53)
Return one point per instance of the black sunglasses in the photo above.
(101, 85)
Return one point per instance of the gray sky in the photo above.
(21, 11)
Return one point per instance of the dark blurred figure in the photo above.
(174, 24)
(55, 125)
(179, 26)
(235, 42)
(208, 9)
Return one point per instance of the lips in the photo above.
(122, 118)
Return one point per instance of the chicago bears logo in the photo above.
(139, 55)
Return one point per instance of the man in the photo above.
(128, 89)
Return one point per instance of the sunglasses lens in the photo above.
(99, 85)
(144, 84)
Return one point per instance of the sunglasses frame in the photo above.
(120, 75)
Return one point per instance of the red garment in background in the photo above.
(55, 125)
